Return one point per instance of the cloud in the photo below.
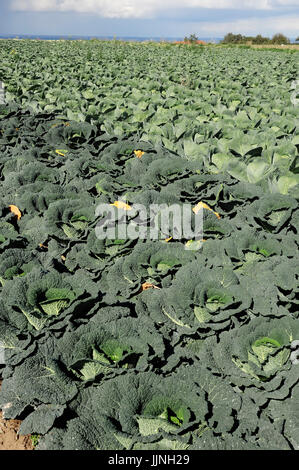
(250, 26)
(144, 8)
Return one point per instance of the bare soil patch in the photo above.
(273, 46)
(9, 437)
(189, 43)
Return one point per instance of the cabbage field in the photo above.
(139, 344)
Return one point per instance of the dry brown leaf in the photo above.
(43, 246)
(148, 285)
(121, 205)
(139, 153)
(16, 211)
(203, 205)
(61, 153)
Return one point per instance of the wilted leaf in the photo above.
(121, 205)
(139, 153)
(148, 285)
(16, 211)
(202, 205)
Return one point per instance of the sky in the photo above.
(149, 18)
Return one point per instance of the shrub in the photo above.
(280, 39)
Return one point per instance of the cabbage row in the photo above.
(205, 357)
(149, 344)
(228, 109)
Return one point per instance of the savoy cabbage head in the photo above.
(97, 351)
(199, 299)
(133, 411)
(256, 357)
(46, 297)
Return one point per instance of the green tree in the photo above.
(259, 39)
(280, 39)
(192, 38)
(231, 38)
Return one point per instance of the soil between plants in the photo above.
(9, 437)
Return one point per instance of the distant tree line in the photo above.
(279, 38)
(192, 38)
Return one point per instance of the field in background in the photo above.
(294, 47)
(137, 344)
